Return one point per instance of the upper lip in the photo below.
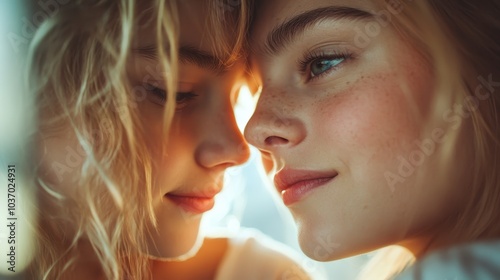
(286, 178)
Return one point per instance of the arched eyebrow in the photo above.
(188, 54)
(289, 30)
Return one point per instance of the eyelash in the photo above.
(181, 97)
(310, 57)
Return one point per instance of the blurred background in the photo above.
(16, 125)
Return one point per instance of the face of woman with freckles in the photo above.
(347, 115)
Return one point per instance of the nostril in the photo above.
(275, 140)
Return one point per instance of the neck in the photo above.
(206, 262)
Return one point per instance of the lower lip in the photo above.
(196, 205)
(299, 190)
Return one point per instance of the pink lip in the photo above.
(294, 185)
(196, 203)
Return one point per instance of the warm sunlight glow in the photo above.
(245, 106)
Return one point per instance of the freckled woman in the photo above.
(381, 119)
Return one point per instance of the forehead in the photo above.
(270, 14)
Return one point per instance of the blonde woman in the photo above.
(381, 118)
(126, 168)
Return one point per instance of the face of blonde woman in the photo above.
(363, 158)
(204, 139)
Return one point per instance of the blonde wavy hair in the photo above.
(78, 74)
(460, 38)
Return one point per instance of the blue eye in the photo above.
(316, 64)
(322, 65)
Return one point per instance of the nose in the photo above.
(274, 124)
(224, 145)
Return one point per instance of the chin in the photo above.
(314, 240)
(313, 249)
(191, 252)
(323, 242)
(178, 252)
(323, 249)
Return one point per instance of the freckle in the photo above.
(365, 207)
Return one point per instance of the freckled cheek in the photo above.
(365, 126)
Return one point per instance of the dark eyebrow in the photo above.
(292, 28)
(188, 54)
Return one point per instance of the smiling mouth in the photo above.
(295, 184)
(196, 203)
